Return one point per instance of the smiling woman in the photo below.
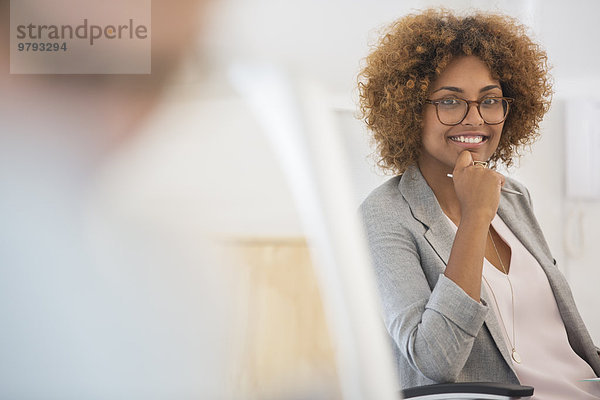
(465, 275)
(396, 80)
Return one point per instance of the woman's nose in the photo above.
(473, 116)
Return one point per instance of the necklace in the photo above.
(514, 354)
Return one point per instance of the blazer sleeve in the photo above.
(433, 327)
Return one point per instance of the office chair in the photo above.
(468, 390)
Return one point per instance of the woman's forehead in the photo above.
(466, 73)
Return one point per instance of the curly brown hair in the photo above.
(413, 52)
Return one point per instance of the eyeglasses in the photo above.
(452, 111)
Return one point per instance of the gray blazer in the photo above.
(440, 333)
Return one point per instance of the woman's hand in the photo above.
(477, 189)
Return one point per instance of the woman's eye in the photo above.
(490, 101)
(449, 102)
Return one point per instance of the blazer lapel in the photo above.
(426, 210)
(525, 230)
(440, 235)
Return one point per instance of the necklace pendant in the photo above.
(516, 357)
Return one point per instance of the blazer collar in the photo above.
(426, 209)
(440, 235)
(522, 228)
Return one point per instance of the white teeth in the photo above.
(467, 139)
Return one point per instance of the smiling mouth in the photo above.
(470, 139)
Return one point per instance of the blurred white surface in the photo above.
(299, 121)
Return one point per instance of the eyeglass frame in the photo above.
(469, 102)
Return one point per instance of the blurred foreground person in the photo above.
(96, 303)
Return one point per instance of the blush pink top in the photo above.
(548, 363)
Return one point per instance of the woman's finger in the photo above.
(464, 160)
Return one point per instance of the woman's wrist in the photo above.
(477, 218)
